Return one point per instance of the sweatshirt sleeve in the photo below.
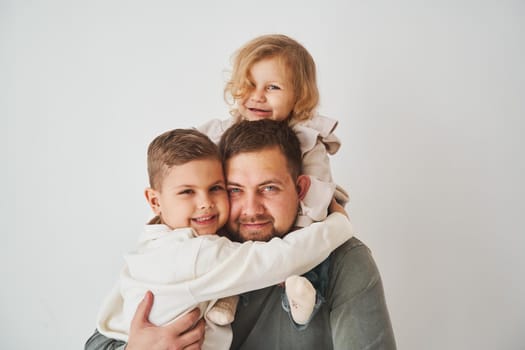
(227, 268)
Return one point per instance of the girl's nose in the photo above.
(257, 95)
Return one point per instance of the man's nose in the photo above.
(252, 205)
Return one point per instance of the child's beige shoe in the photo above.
(301, 297)
(223, 312)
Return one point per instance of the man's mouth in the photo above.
(255, 223)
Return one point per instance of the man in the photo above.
(262, 163)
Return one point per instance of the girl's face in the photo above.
(272, 95)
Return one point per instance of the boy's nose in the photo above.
(206, 203)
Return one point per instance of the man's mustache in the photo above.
(255, 219)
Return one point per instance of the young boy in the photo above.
(180, 258)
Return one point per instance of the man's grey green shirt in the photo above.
(354, 315)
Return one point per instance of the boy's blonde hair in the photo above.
(297, 62)
(177, 147)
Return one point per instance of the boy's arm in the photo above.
(230, 268)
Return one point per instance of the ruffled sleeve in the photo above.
(215, 128)
(318, 129)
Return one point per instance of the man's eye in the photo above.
(269, 188)
(233, 190)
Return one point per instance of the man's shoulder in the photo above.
(352, 267)
(353, 249)
(352, 243)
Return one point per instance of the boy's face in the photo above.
(192, 195)
(272, 96)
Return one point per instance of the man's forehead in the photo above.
(255, 164)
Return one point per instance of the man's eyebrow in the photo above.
(229, 183)
(271, 181)
(264, 183)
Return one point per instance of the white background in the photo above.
(430, 98)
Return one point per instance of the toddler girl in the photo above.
(274, 77)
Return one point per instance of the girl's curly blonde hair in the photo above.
(296, 60)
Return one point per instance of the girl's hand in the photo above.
(336, 207)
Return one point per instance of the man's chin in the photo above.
(243, 235)
(256, 235)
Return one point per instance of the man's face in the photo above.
(264, 198)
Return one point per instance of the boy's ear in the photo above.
(152, 197)
(303, 184)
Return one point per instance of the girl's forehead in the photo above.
(276, 63)
(278, 60)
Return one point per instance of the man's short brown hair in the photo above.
(177, 147)
(252, 136)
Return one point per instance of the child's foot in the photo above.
(223, 312)
(301, 297)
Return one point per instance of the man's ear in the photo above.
(303, 184)
(152, 197)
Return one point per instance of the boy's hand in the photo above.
(336, 207)
(181, 334)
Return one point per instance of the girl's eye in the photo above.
(273, 87)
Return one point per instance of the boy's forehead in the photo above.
(193, 170)
(200, 162)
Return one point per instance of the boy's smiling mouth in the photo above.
(204, 219)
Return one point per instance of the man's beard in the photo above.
(235, 234)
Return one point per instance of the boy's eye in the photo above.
(217, 188)
(188, 191)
